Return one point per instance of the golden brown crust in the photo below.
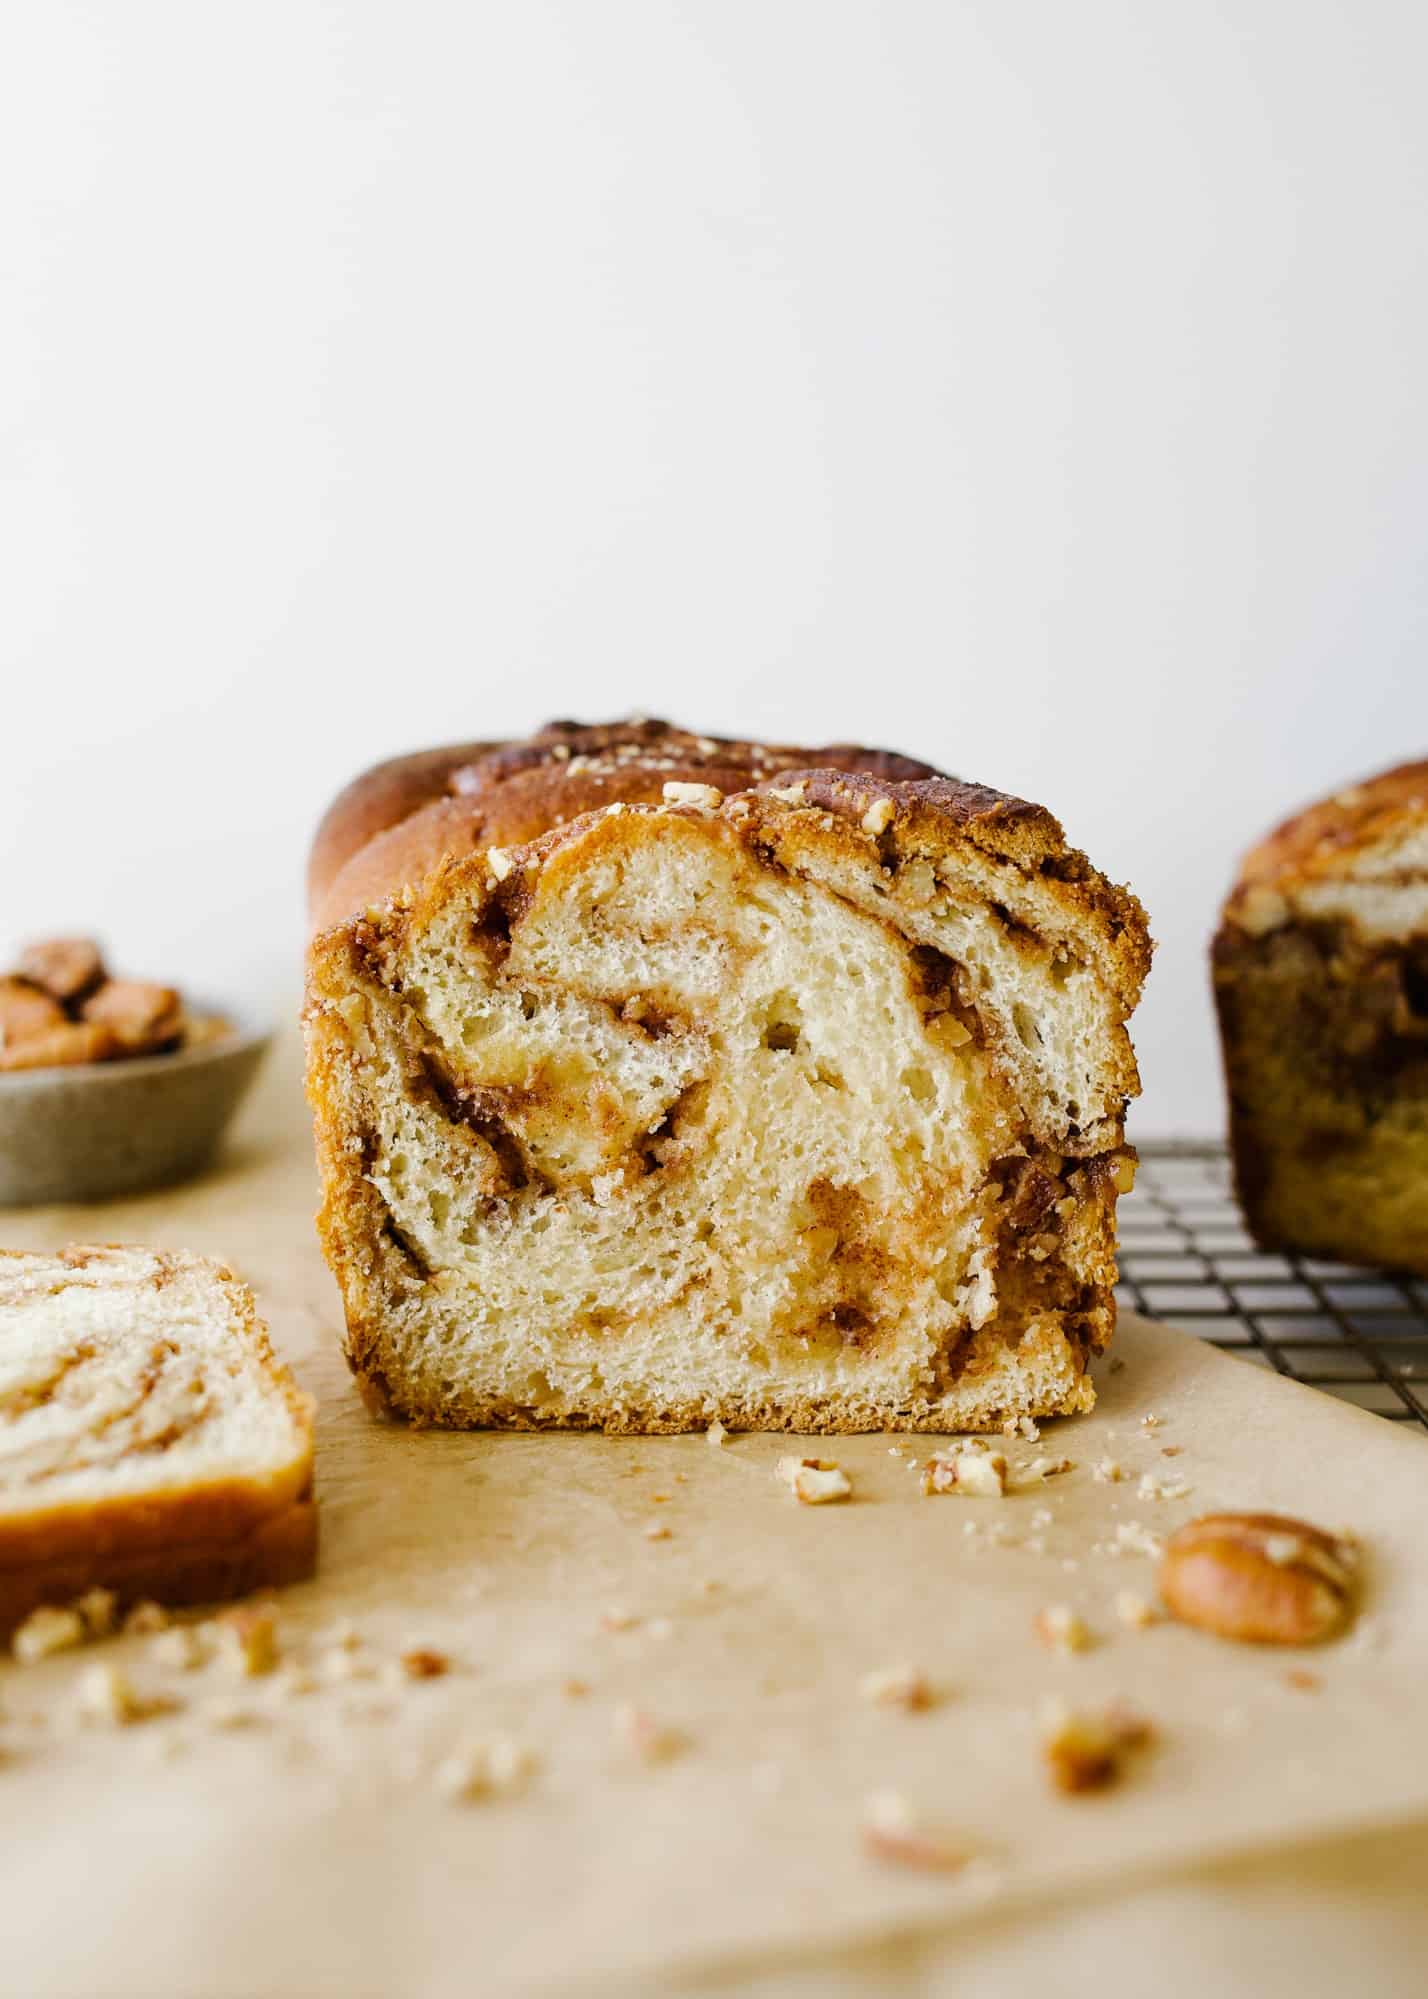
(1323, 837)
(381, 797)
(391, 827)
(280, 1548)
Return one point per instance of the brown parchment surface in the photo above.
(311, 1852)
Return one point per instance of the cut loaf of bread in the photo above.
(150, 1441)
(659, 1078)
(1321, 980)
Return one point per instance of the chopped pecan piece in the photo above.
(67, 967)
(143, 1017)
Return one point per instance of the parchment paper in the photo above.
(311, 1851)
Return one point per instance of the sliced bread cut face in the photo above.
(150, 1441)
(1321, 983)
(799, 1109)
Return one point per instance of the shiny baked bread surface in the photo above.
(721, 1080)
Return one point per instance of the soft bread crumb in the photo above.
(107, 1695)
(1042, 1468)
(46, 1630)
(145, 1619)
(895, 1832)
(1084, 1751)
(98, 1609)
(972, 1471)
(896, 1686)
(716, 1434)
(1134, 1611)
(1134, 1538)
(637, 1730)
(248, 1638)
(1151, 1487)
(493, 1767)
(814, 1481)
(180, 1647)
(1061, 1630)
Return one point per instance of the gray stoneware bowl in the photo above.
(108, 1128)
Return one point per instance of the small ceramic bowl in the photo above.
(106, 1128)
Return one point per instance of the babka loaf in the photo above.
(1321, 981)
(659, 1078)
(150, 1442)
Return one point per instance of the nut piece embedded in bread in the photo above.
(661, 1079)
(1321, 982)
(1259, 1577)
(151, 1444)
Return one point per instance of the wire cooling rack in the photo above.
(1185, 1257)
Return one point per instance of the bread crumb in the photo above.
(46, 1630)
(894, 1832)
(1107, 1472)
(98, 1611)
(657, 1531)
(249, 1640)
(1150, 1421)
(106, 1695)
(789, 794)
(180, 1647)
(716, 1434)
(1132, 1538)
(1134, 1611)
(483, 1770)
(879, 816)
(896, 1686)
(499, 862)
(145, 1619)
(1154, 1488)
(1301, 1678)
(1042, 1468)
(814, 1481)
(1085, 1751)
(638, 1731)
(1171, 1450)
(1061, 1630)
(424, 1662)
(575, 1689)
(975, 1473)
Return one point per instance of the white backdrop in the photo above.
(1039, 387)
